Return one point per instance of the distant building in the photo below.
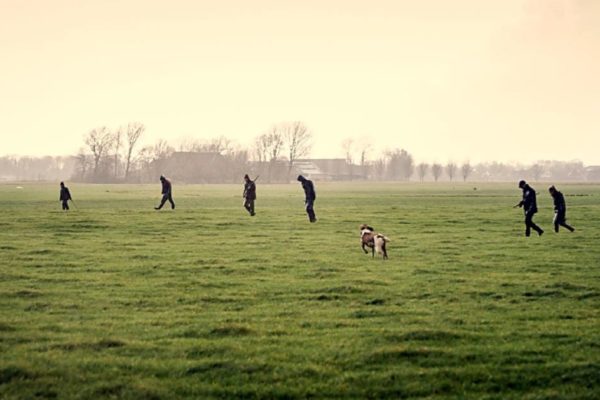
(592, 173)
(329, 169)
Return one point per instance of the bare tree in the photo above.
(364, 145)
(99, 141)
(134, 132)
(261, 147)
(83, 161)
(268, 147)
(422, 169)
(400, 165)
(117, 139)
(536, 171)
(297, 138)
(379, 168)
(347, 146)
(451, 170)
(161, 150)
(436, 171)
(189, 144)
(466, 170)
(220, 144)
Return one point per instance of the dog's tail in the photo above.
(385, 238)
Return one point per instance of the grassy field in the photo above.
(116, 300)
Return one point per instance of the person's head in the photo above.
(162, 178)
(300, 178)
(62, 184)
(246, 178)
(552, 190)
(522, 184)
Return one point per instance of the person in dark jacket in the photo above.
(560, 209)
(65, 196)
(167, 193)
(529, 205)
(249, 194)
(310, 197)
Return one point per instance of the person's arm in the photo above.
(531, 198)
(562, 206)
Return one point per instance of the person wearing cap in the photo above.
(529, 205)
(166, 193)
(249, 194)
(65, 196)
(310, 197)
(560, 209)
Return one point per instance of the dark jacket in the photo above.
(64, 194)
(250, 190)
(309, 189)
(166, 186)
(529, 202)
(559, 202)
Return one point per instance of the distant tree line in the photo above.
(47, 168)
(117, 155)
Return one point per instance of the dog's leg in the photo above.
(373, 250)
(384, 251)
(363, 247)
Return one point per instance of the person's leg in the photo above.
(534, 226)
(311, 211)
(249, 206)
(252, 207)
(171, 201)
(65, 205)
(556, 222)
(562, 220)
(162, 202)
(527, 224)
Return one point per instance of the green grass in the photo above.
(116, 300)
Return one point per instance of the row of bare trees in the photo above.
(118, 155)
(451, 170)
(110, 154)
(114, 155)
(289, 141)
(46, 168)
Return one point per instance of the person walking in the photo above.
(65, 196)
(249, 194)
(310, 197)
(167, 193)
(529, 205)
(560, 209)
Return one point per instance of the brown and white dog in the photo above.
(376, 241)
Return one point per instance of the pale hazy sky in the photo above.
(445, 79)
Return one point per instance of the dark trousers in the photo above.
(65, 205)
(249, 205)
(529, 224)
(310, 210)
(166, 196)
(560, 219)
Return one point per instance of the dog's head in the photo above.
(366, 227)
